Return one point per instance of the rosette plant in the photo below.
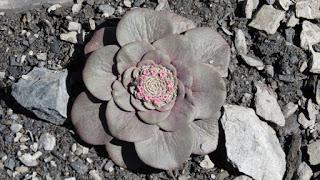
(154, 97)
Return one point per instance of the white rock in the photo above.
(34, 147)
(315, 61)
(289, 109)
(285, 4)
(310, 34)
(30, 160)
(313, 152)
(94, 175)
(293, 21)
(253, 62)
(15, 127)
(18, 136)
(267, 106)
(54, 7)
(304, 122)
(267, 19)
(270, 70)
(76, 8)
(308, 9)
(22, 169)
(252, 146)
(69, 37)
(312, 109)
(163, 5)
(42, 56)
(304, 172)
(206, 163)
(109, 166)
(47, 142)
(74, 26)
(248, 9)
(240, 42)
(127, 3)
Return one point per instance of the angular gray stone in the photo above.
(26, 4)
(313, 152)
(252, 146)
(240, 42)
(44, 93)
(79, 166)
(267, 19)
(30, 160)
(267, 105)
(252, 62)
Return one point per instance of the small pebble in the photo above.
(74, 26)
(15, 127)
(106, 10)
(79, 166)
(109, 166)
(42, 56)
(47, 142)
(76, 8)
(53, 7)
(69, 37)
(30, 160)
(206, 163)
(9, 163)
(94, 175)
(127, 3)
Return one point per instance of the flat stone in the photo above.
(79, 166)
(252, 62)
(240, 42)
(267, 106)
(30, 160)
(42, 56)
(267, 19)
(308, 9)
(285, 4)
(206, 163)
(309, 35)
(304, 172)
(44, 93)
(313, 152)
(69, 37)
(251, 144)
(47, 142)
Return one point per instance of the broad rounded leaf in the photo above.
(130, 54)
(182, 113)
(209, 46)
(97, 73)
(127, 76)
(136, 103)
(85, 116)
(206, 135)
(149, 25)
(96, 42)
(153, 116)
(208, 90)
(157, 56)
(121, 96)
(126, 126)
(123, 154)
(166, 150)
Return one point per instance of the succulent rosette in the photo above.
(154, 97)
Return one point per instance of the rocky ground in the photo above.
(271, 130)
